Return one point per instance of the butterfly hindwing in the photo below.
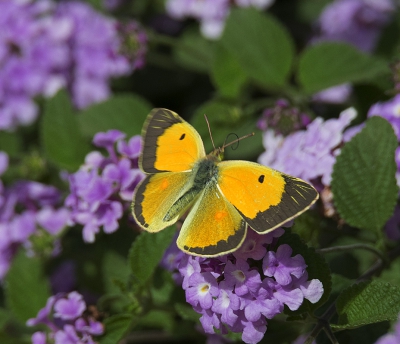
(169, 143)
(212, 227)
(265, 197)
(155, 196)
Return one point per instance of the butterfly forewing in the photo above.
(265, 197)
(169, 143)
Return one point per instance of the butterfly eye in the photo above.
(182, 137)
(261, 179)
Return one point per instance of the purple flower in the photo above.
(101, 186)
(28, 211)
(226, 303)
(334, 95)
(282, 266)
(108, 139)
(39, 338)
(389, 110)
(308, 154)
(53, 220)
(357, 22)
(63, 315)
(202, 288)
(70, 308)
(240, 277)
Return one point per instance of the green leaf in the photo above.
(146, 253)
(186, 312)
(227, 74)
(317, 268)
(261, 44)
(26, 289)
(329, 64)
(115, 267)
(363, 179)
(116, 327)
(157, 319)
(5, 316)
(122, 112)
(366, 303)
(10, 143)
(227, 122)
(193, 51)
(60, 136)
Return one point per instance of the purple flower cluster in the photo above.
(358, 22)
(240, 291)
(28, 210)
(283, 118)
(210, 13)
(45, 46)
(391, 338)
(308, 154)
(67, 318)
(104, 183)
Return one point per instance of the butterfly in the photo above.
(224, 196)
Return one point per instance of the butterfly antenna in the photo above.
(237, 140)
(209, 130)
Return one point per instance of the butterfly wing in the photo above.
(213, 226)
(155, 196)
(264, 197)
(169, 143)
(171, 147)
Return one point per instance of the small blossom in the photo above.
(70, 308)
(63, 315)
(202, 288)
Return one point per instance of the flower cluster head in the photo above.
(68, 320)
(101, 187)
(45, 46)
(308, 154)
(30, 213)
(240, 291)
(358, 22)
(283, 118)
(210, 13)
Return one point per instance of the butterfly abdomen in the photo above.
(205, 172)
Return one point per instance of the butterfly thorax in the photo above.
(205, 172)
